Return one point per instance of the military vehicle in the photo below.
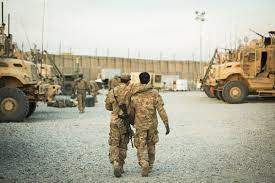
(65, 80)
(220, 56)
(68, 83)
(157, 81)
(20, 85)
(46, 71)
(208, 77)
(252, 73)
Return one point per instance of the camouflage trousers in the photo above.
(81, 97)
(118, 141)
(145, 141)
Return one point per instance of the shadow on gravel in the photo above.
(258, 99)
(249, 99)
(49, 116)
(5, 180)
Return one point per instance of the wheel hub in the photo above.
(8, 105)
(235, 92)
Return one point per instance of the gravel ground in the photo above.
(210, 141)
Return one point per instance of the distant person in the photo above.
(81, 86)
(144, 104)
(164, 85)
(95, 89)
(118, 137)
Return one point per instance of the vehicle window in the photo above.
(17, 65)
(263, 61)
(3, 65)
(69, 78)
(158, 78)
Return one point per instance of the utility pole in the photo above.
(43, 24)
(60, 48)
(108, 52)
(96, 52)
(195, 74)
(200, 17)
(129, 60)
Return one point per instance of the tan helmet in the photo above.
(125, 77)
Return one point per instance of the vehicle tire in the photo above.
(14, 105)
(216, 94)
(67, 89)
(219, 95)
(234, 92)
(32, 107)
(207, 91)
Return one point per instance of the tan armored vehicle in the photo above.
(221, 56)
(20, 85)
(254, 73)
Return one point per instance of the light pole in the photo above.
(200, 17)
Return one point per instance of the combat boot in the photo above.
(122, 170)
(117, 169)
(121, 167)
(150, 168)
(145, 171)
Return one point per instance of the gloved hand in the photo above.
(167, 129)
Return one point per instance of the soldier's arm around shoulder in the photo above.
(127, 94)
(160, 108)
(108, 101)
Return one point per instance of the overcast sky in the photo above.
(145, 27)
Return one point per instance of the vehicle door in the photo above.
(262, 81)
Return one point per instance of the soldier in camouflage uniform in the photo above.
(95, 89)
(144, 102)
(118, 137)
(81, 86)
(113, 82)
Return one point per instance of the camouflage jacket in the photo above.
(81, 86)
(144, 102)
(94, 86)
(113, 83)
(111, 102)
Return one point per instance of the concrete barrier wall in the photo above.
(91, 66)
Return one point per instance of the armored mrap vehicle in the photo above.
(20, 85)
(253, 74)
(220, 56)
